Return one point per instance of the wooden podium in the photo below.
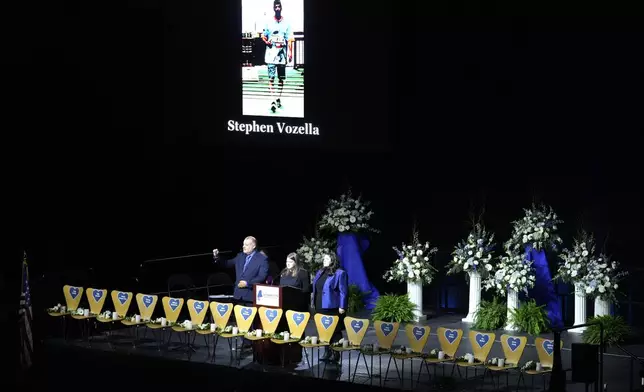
(285, 298)
(282, 297)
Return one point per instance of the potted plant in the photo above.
(573, 268)
(414, 267)
(474, 257)
(530, 318)
(615, 330)
(390, 311)
(514, 274)
(490, 315)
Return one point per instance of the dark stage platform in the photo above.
(118, 365)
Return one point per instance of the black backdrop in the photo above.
(123, 154)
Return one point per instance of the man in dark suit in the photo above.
(251, 268)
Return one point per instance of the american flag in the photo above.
(26, 318)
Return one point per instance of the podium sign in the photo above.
(268, 296)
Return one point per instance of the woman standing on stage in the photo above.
(330, 293)
(294, 275)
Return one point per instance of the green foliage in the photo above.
(530, 318)
(490, 315)
(615, 330)
(356, 299)
(394, 308)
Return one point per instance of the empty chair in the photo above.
(181, 286)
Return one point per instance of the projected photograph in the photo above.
(273, 58)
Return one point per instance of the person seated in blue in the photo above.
(251, 268)
(294, 275)
(331, 296)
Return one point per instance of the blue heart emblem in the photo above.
(298, 318)
(514, 343)
(549, 346)
(451, 335)
(222, 309)
(271, 314)
(246, 312)
(386, 328)
(97, 294)
(147, 300)
(326, 321)
(122, 297)
(174, 304)
(198, 305)
(482, 339)
(418, 332)
(73, 291)
(357, 325)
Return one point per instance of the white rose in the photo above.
(488, 267)
(419, 252)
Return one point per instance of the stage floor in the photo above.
(617, 371)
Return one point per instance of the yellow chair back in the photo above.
(221, 313)
(513, 347)
(198, 311)
(417, 336)
(121, 301)
(449, 340)
(482, 343)
(270, 318)
(73, 296)
(146, 303)
(545, 351)
(172, 308)
(297, 322)
(96, 299)
(325, 325)
(386, 333)
(356, 329)
(244, 316)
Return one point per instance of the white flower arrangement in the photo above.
(538, 229)
(603, 278)
(105, 315)
(530, 365)
(474, 254)
(513, 272)
(414, 263)
(574, 263)
(347, 215)
(312, 252)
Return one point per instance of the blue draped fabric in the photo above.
(350, 250)
(544, 290)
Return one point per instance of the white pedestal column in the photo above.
(513, 303)
(475, 296)
(602, 307)
(415, 292)
(580, 308)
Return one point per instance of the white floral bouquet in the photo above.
(312, 252)
(414, 263)
(574, 263)
(474, 254)
(538, 229)
(513, 271)
(603, 277)
(347, 215)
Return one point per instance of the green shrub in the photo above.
(530, 318)
(356, 299)
(615, 330)
(394, 309)
(490, 316)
